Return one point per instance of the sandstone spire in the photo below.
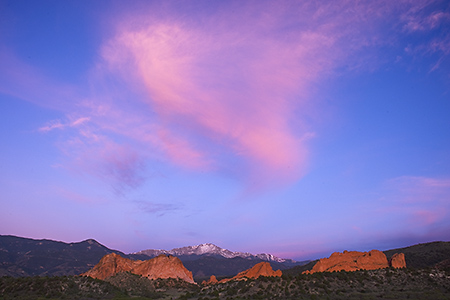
(398, 261)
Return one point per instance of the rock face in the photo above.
(159, 267)
(260, 269)
(351, 261)
(163, 266)
(110, 265)
(354, 260)
(212, 280)
(398, 261)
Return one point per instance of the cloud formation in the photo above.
(421, 202)
(227, 91)
(208, 96)
(235, 93)
(57, 124)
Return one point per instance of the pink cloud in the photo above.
(207, 91)
(57, 124)
(241, 83)
(421, 202)
(233, 92)
(180, 151)
(427, 217)
(414, 189)
(102, 157)
(76, 196)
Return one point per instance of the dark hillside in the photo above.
(206, 266)
(58, 287)
(423, 255)
(29, 257)
(300, 269)
(358, 285)
(417, 256)
(203, 266)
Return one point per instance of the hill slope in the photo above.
(423, 255)
(418, 256)
(29, 257)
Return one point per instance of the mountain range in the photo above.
(209, 249)
(208, 259)
(30, 257)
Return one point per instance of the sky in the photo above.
(296, 128)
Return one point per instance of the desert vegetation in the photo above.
(376, 284)
(57, 287)
(386, 283)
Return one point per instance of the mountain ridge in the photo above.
(21, 257)
(212, 249)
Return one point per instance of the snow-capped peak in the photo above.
(210, 249)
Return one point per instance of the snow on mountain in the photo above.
(211, 249)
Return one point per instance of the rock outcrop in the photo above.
(212, 280)
(351, 261)
(398, 261)
(260, 269)
(161, 266)
(110, 265)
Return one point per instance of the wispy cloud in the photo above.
(429, 20)
(159, 209)
(120, 165)
(421, 202)
(239, 88)
(209, 95)
(425, 16)
(57, 124)
(231, 90)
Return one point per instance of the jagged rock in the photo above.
(212, 280)
(161, 266)
(110, 265)
(398, 261)
(351, 261)
(260, 269)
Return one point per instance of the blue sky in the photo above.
(292, 128)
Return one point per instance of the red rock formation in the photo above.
(159, 267)
(351, 261)
(260, 269)
(110, 265)
(212, 280)
(398, 261)
(163, 266)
